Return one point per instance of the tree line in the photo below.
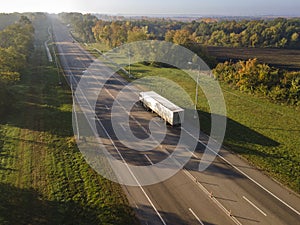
(16, 46)
(81, 25)
(116, 33)
(251, 76)
(276, 33)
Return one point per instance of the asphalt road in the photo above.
(230, 191)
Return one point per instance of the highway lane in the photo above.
(242, 197)
(157, 204)
(166, 204)
(183, 199)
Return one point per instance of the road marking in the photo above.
(156, 123)
(130, 171)
(215, 200)
(123, 127)
(229, 163)
(119, 153)
(106, 107)
(227, 212)
(194, 214)
(251, 203)
(243, 173)
(148, 159)
(193, 154)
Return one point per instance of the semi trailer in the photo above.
(167, 110)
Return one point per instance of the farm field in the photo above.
(44, 179)
(264, 133)
(282, 58)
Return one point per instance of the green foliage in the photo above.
(44, 179)
(115, 33)
(137, 34)
(279, 33)
(9, 77)
(81, 25)
(16, 45)
(265, 133)
(181, 37)
(11, 60)
(250, 76)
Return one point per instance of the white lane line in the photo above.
(227, 212)
(106, 107)
(119, 153)
(229, 163)
(251, 203)
(194, 214)
(123, 127)
(186, 172)
(193, 154)
(243, 173)
(148, 159)
(156, 123)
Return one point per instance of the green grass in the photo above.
(266, 134)
(44, 179)
(100, 46)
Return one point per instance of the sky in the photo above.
(170, 7)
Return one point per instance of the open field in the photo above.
(283, 58)
(43, 177)
(265, 133)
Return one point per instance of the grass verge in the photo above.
(43, 177)
(264, 133)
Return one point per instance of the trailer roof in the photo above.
(165, 102)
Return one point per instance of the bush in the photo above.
(250, 76)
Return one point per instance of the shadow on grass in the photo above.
(43, 118)
(237, 132)
(26, 206)
(41, 105)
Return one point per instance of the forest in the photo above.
(81, 24)
(273, 33)
(251, 76)
(16, 46)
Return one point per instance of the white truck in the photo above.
(167, 110)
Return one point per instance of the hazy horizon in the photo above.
(156, 7)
